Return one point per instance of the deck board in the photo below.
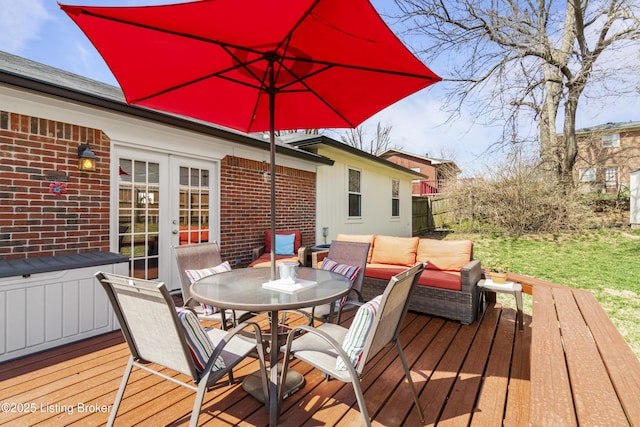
(582, 371)
(493, 396)
(552, 402)
(589, 379)
(620, 361)
(460, 371)
(518, 391)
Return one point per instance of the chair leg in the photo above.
(203, 386)
(410, 381)
(361, 403)
(197, 405)
(120, 394)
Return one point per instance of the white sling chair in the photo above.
(376, 324)
(158, 333)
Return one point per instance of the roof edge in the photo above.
(39, 86)
(308, 141)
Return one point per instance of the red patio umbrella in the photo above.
(256, 65)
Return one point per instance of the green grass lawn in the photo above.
(605, 262)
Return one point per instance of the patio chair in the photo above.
(157, 332)
(343, 353)
(204, 258)
(347, 258)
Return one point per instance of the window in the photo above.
(355, 197)
(587, 174)
(611, 177)
(610, 140)
(395, 197)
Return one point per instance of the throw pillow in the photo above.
(450, 255)
(200, 346)
(284, 244)
(349, 271)
(395, 250)
(353, 343)
(194, 275)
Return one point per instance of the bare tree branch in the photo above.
(519, 61)
(380, 142)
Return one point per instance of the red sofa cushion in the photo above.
(264, 260)
(433, 278)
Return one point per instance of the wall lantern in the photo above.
(86, 158)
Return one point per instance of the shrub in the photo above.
(516, 198)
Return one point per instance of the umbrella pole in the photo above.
(272, 161)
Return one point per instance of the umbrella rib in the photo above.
(228, 46)
(329, 64)
(199, 79)
(175, 33)
(316, 94)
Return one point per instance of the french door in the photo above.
(163, 200)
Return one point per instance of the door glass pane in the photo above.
(138, 216)
(194, 205)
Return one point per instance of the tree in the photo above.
(516, 62)
(378, 144)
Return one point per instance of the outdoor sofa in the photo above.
(448, 284)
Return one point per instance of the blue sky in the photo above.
(40, 31)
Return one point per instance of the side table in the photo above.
(512, 288)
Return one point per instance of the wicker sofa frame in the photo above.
(459, 305)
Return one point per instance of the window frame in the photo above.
(587, 174)
(610, 140)
(355, 194)
(611, 177)
(395, 198)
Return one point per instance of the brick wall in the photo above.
(34, 153)
(245, 210)
(625, 157)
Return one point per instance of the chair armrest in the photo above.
(317, 257)
(351, 302)
(256, 252)
(470, 275)
(321, 335)
(302, 255)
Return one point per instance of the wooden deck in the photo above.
(476, 374)
(570, 366)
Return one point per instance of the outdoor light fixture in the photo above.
(86, 158)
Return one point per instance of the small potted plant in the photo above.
(496, 270)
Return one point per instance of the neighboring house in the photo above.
(439, 172)
(360, 193)
(606, 156)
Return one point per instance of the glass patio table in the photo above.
(241, 289)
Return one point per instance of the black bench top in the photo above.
(28, 266)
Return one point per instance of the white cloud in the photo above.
(21, 21)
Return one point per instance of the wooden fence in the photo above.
(429, 213)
